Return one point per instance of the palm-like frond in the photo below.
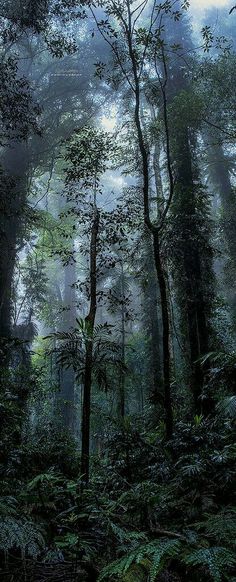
(71, 351)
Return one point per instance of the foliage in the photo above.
(152, 556)
(21, 534)
(73, 197)
(106, 352)
(217, 560)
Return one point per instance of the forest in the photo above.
(117, 291)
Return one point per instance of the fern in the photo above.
(227, 406)
(193, 470)
(20, 534)
(221, 526)
(158, 554)
(8, 506)
(217, 560)
(45, 478)
(127, 537)
(116, 568)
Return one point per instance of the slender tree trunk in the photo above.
(122, 375)
(165, 335)
(67, 382)
(158, 263)
(90, 319)
(151, 324)
(86, 411)
(7, 262)
(159, 271)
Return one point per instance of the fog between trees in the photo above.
(117, 291)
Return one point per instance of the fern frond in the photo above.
(158, 554)
(21, 534)
(116, 568)
(7, 506)
(228, 406)
(127, 537)
(44, 478)
(216, 560)
(221, 526)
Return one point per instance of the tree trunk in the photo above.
(160, 274)
(151, 324)
(13, 185)
(122, 375)
(86, 412)
(67, 380)
(219, 173)
(165, 335)
(191, 267)
(159, 269)
(90, 319)
(194, 279)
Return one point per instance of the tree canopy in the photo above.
(117, 291)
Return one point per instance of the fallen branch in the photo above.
(169, 534)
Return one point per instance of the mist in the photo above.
(117, 291)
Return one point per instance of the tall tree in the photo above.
(191, 224)
(130, 58)
(87, 155)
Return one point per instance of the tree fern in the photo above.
(71, 350)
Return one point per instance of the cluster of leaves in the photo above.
(87, 153)
(19, 113)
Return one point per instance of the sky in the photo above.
(210, 3)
